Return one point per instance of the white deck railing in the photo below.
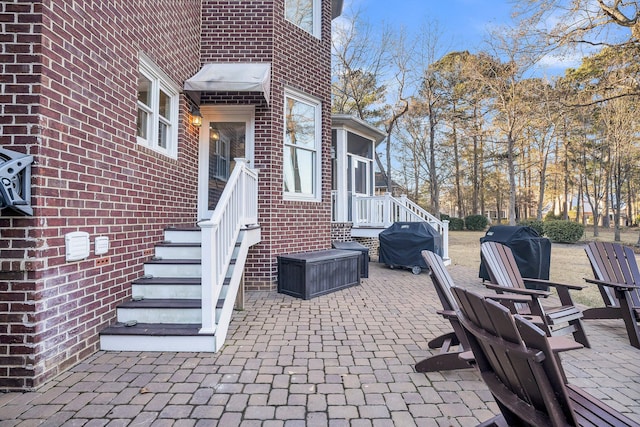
(237, 208)
(382, 211)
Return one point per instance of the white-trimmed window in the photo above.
(302, 147)
(305, 14)
(158, 100)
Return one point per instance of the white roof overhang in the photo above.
(230, 77)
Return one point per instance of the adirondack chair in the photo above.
(505, 277)
(618, 278)
(451, 344)
(454, 349)
(516, 361)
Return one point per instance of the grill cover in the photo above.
(402, 242)
(532, 252)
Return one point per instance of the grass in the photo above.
(569, 263)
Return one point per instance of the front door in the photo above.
(226, 134)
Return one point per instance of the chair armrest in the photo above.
(560, 343)
(525, 299)
(554, 284)
(618, 286)
(467, 356)
(447, 314)
(531, 292)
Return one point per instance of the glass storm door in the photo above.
(222, 140)
(360, 176)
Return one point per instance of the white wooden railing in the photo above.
(237, 208)
(382, 211)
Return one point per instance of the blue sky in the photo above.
(464, 23)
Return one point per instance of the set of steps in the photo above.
(165, 312)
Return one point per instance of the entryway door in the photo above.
(226, 134)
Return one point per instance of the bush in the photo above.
(476, 222)
(535, 224)
(455, 224)
(563, 231)
(551, 216)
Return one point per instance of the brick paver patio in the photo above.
(344, 359)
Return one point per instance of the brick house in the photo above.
(100, 104)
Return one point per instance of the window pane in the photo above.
(300, 12)
(359, 145)
(165, 105)
(360, 174)
(163, 135)
(143, 124)
(144, 90)
(300, 124)
(298, 170)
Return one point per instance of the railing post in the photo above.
(387, 215)
(445, 239)
(209, 276)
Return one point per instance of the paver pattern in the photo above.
(343, 359)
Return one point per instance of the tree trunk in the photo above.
(512, 179)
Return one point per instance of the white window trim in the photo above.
(160, 81)
(317, 175)
(316, 22)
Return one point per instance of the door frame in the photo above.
(221, 113)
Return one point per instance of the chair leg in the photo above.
(579, 335)
(442, 362)
(628, 315)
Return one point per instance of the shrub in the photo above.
(535, 224)
(563, 231)
(551, 216)
(476, 222)
(456, 224)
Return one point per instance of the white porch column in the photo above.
(342, 191)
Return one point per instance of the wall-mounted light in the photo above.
(196, 117)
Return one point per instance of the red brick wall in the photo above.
(89, 174)
(257, 31)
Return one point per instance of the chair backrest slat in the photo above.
(613, 262)
(442, 280)
(516, 370)
(502, 266)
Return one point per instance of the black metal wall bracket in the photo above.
(15, 181)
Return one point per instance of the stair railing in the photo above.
(382, 211)
(237, 208)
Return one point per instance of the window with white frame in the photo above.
(302, 142)
(305, 14)
(158, 100)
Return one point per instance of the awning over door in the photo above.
(230, 77)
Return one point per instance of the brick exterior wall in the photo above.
(299, 61)
(69, 76)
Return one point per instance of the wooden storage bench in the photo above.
(310, 274)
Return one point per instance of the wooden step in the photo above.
(173, 268)
(153, 329)
(156, 337)
(168, 250)
(161, 311)
(167, 287)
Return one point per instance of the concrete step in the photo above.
(167, 288)
(178, 311)
(156, 337)
(173, 268)
(178, 251)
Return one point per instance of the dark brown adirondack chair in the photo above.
(451, 344)
(505, 277)
(618, 278)
(516, 361)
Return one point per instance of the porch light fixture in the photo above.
(196, 117)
